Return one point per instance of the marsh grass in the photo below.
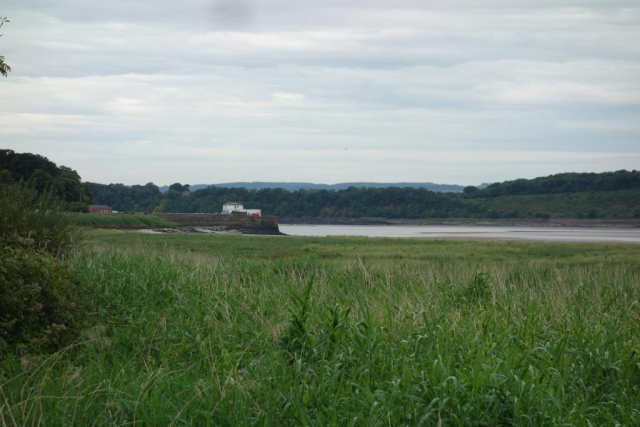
(236, 330)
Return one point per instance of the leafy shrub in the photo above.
(40, 299)
(41, 219)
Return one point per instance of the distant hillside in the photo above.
(560, 183)
(294, 186)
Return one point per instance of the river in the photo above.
(550, 234)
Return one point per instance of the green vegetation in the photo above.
(121, 221)
(293, 186)
(606, 195)
(44, 176)
(603, 204)
(41, 301)
(561, 183)
(129, 328)
(4, 67)
(239, 330)
(568, 195)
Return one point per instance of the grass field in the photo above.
(121, 221)
(245, 330)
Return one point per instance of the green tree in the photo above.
(176, 187)
(5, 177)
(4, 67)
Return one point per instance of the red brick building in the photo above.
(100, 209)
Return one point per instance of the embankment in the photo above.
(122, 221)
(267, 225)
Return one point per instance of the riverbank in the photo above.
(469, 222)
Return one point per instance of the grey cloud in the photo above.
(283, 87)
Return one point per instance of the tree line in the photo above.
(595, 195)
(45, 176)
(560, 183)
(615, 194)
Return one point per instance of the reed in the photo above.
(244, 330)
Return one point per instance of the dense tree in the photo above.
(392, 202)
(45, 175)
(562, 183)
(5, 177)
(611, 194)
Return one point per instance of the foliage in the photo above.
(40, 219)
(570, 195)
(293, 186)
(561, 183)
(373, 202)
(46, 176)
(42, 303)
(201, 330)
(125, 198)
(4, 67)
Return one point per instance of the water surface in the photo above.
(557, 234)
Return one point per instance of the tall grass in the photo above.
(502, 334)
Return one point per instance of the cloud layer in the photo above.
(203, 91)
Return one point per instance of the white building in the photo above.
(231, 207)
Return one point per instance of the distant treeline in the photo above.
(560, 183)
(293, 186)
(580, 195)
(611, 195)
(44, 175)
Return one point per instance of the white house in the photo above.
(231, 207)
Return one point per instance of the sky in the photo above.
(325, 91)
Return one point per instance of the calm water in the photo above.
(463, 232)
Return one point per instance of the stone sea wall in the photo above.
(239, 221)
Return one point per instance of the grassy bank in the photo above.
(121, 221)
(240, 330)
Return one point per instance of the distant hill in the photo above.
(560, 183)
(294, 186)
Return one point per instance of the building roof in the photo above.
(101, 207)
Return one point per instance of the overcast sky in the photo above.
(204, 91)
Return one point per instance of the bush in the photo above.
(41, 219)
(41, 301)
